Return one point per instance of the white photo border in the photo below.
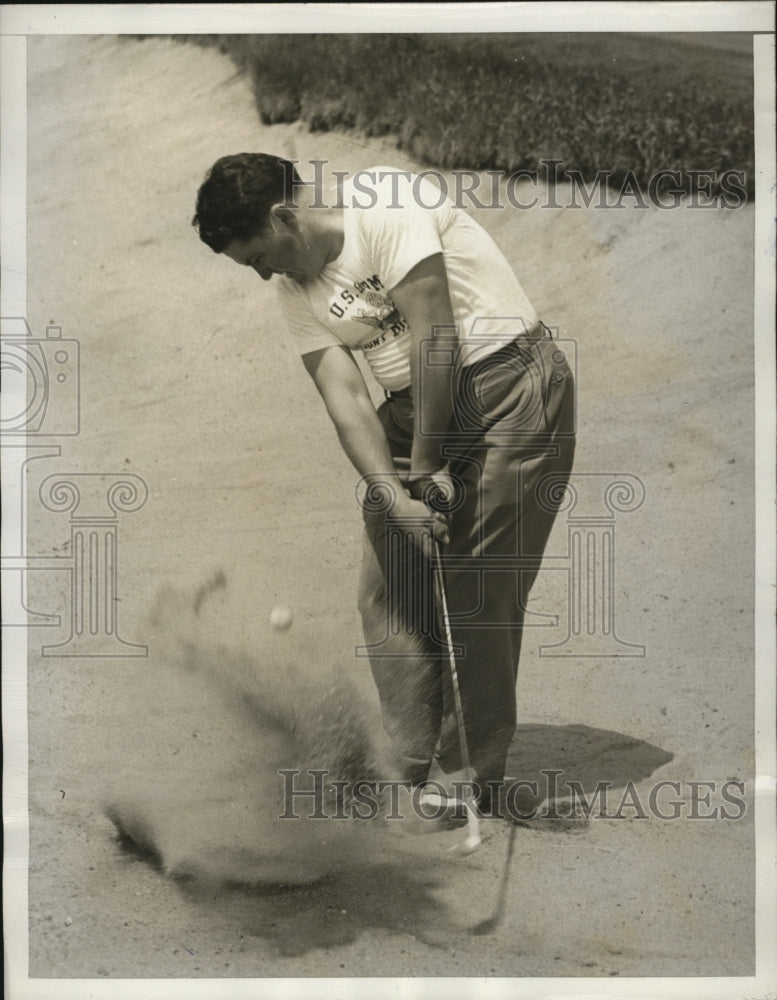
(17, 22)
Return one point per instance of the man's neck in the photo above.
(324, 221)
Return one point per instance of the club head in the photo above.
(469, 846)
(473, 840)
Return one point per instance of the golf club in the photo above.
(468, 800)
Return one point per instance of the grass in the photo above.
(614, 102)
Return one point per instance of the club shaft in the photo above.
(457, 705)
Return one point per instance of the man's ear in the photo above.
(283, 218)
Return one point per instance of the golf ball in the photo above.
(281, 618)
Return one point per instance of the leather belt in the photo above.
(538, 332)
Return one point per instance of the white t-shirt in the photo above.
(390, 225)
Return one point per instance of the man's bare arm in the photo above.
(423, 299)
(348, 403)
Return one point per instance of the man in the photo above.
(478, 404)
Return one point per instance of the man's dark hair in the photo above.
(235, 199)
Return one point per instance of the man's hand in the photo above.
(437, 490)
(420, 523)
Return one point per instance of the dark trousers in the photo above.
(510, 450)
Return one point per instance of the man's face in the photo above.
(272, 252)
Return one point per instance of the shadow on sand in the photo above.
(337, 909)
(582, 754)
